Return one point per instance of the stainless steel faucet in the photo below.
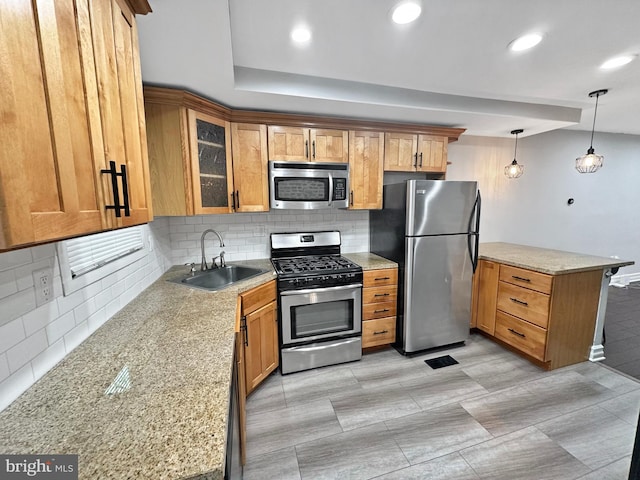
(203, 263)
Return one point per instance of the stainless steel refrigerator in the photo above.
(431, 229)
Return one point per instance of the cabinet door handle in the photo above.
(420, 159)
(243, 329)
(381, 332)
(522, 279)
(519, 302)
(306, 148)
(233, 201)
(379, 279)
(381, 311)
(381, 295)
(415, 160)
(351, 199)
(116, 191)
(238, 198)
(313, 146)
(517, 333)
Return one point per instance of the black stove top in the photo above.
(314, 264)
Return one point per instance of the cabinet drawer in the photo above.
(526, 278)
(378, 332)
(378, 310)
(524, 303)
(524, 336)
(258, 297)
(385, 276)
(386, 293)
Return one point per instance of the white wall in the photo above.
(246, 235)
(33, 340)
(533, 210)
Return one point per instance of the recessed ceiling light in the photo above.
(406, 12)
(525, 42)
(301, 35)
(616, 62)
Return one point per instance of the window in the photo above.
(85, 260)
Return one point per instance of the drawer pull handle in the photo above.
(382, 278)
(381, 295)
(519, 302)
(522, 279)
(381, 333)
(517, 333)
(381, 311)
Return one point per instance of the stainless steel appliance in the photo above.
(431, 229)
(319, 299)
(308, 185)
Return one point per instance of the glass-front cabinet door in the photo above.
(211, 166)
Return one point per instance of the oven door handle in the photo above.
(352, 286)
(330, 189)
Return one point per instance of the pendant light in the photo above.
(591, 162)
(514, 170)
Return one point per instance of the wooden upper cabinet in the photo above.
(52, 148)
(250, 167)
(405, 152)
(366, 156)
(200, 162)
(211, 167)
(301, 144)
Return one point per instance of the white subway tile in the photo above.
(173, 221)
(84, 310)
(195, 220)
(69, 302)
(76, 336)
(26, 350)
(4, 367)
(43, 251)
(40, 317)
(15, 385)
(8, 283)
(113, 307)
(15, 258)
(48, 359)
(96, 320)
(183, 228)
(17, 305)
(60, 327)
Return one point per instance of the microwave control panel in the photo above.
(339, 189)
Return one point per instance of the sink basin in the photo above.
(219, 278)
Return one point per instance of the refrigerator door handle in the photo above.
(474, 232)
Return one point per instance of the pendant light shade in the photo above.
(591, 162)
(514, 170)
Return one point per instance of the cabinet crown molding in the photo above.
(185, 98)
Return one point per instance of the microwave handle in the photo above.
(330, 189)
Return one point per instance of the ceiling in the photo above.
(451, 67)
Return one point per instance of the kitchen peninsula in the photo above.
(548, 305)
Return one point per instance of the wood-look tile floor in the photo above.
(492, 416)
(622, 329)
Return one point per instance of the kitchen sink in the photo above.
(219, 278)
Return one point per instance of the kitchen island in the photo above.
(547, 304)
(146, 396)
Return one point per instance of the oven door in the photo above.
(320, 313)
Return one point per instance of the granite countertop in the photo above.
(173, 348)
(552, 262)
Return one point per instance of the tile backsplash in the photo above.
(246, 235)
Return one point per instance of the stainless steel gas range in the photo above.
(319, 299)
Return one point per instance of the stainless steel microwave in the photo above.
(308, 185)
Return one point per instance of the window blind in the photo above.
(89, 253)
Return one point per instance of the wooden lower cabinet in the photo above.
(548, 318)
(259, 331)
(379, 301)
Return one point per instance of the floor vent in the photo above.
(440, 362)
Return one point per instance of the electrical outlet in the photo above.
(43, 284)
